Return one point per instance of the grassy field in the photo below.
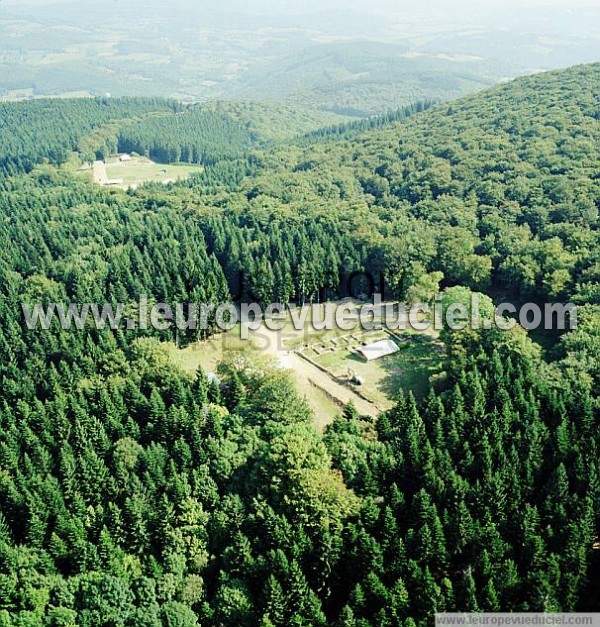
(409, 369)
(16, 95)
(418, 359)
(141, 170)
(210, 353)
(228, 347)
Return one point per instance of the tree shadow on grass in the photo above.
(411, 368)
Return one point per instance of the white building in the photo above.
(377, 350)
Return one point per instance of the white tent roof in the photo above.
(378, 350)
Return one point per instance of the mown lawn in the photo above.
(419, 358)
(141, 170)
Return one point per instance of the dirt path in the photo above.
(306, 375)
(313, 376)
(100, 175)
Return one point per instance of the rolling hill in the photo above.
(136, 493)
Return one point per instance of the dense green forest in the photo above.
(362, 78)
(135, 494)
(95, 128)
(52, 129)
(189, 137)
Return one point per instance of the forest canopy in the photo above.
(133, 493)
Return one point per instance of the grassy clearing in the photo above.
(295, 340)
(323, 407)
(210, 353)
(141, 170)
(228, 346)
(409, 369)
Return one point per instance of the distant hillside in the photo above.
(51, 130)
(489, 189)
(275, 121)
(360, 78)
(539, 126)
(343, 61)
(136, 493)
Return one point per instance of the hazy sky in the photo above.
(551, 17)
(225, 41)
(395, 6)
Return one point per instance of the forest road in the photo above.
(306, 375)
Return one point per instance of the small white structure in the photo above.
(124, 157)
(377, 350)
(355, 378)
